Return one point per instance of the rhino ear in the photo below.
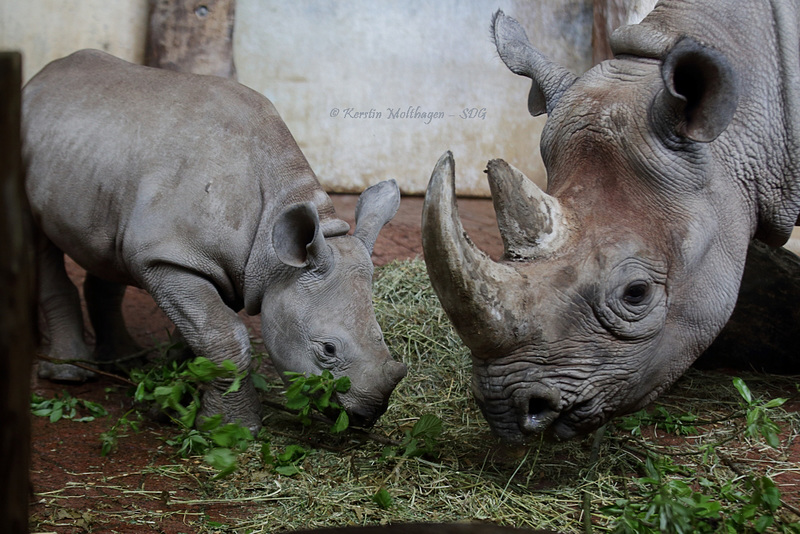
(376, 206)
(548, 80)
(298, 239)
(703, 86)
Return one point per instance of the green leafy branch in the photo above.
(419, 440)
(757, 419)
(229, 440)
(285, 463)
(173, 386)
(669, 505)
(313, 392)
(660, 417)
(668, 500)
(66, 406)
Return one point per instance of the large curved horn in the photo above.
(549, 80)
(530, 221)
(481, 297)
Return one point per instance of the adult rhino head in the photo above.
(618, 277)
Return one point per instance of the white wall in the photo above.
(45, 30)
(311, 57)
(339, 72)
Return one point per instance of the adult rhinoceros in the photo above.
(192, 188)
(663, 163)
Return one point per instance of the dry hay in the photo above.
(474, 477)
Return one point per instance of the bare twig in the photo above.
(322, 419)
(83, 365)
(590, 476)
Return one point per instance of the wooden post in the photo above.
(17, 306)
(192, 36)
(600, 32)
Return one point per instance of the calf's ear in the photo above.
(703, 87)
(376, 206)
(298, 239)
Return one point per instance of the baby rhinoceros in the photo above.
(192, 188)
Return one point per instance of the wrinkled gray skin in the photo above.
(192, 188)
(662, 164)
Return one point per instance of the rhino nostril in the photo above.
(538, 408)
(541, 413)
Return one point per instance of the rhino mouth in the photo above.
(367, 418)
(565, 426)
(581, 419)
(519, 421)
(506, 425)
(360, 414)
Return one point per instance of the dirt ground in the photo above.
(75, 489)
(73, 483)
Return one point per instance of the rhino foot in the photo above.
(241, 407)
(52, 369)
(62, 372)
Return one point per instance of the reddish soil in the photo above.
(78, 490)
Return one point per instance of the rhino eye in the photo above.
(636, 293)
(635, 304)
(330, 349)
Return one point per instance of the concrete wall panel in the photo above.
(370, 90)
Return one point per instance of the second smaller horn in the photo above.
(531, 222)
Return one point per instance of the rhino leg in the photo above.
(213, 330)
(113, 342)
(61, 306)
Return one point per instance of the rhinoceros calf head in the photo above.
(319, 315)
(615, 281)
